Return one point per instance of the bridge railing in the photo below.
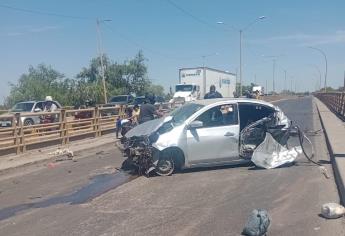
(17, 134)
(335, 101)
(54, 127)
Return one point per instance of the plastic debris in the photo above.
(257, 223)
(60, 152)
(270, 154)
(324, 172)
(332, 210)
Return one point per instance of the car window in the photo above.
(23, 107)
(119, 99)
(222, 115)
(250, 112)
(57, 105)
(39, 105)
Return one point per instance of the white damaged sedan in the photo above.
(199, 134)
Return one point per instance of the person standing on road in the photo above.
(213, 93)
(148, 110)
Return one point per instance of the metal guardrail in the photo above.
(334, 101)
(65, 125)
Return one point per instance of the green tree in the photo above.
(157, 90)
(35, 85)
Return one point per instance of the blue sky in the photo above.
(175, 34)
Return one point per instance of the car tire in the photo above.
(166, 164)
(28, 122)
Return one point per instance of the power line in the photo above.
(44, 13)
(172, 3)
(128, 39)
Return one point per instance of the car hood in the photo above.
(146, 128)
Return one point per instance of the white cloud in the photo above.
(306, 39)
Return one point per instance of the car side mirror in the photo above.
(195, 124)
(37, 110)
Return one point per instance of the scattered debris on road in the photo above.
(51, 165)
(332, 210)
(35, 197)
(257, 224)
(64, 151)
(324, 172)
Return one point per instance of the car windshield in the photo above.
(22, 107)
(119, 99)
(183, 113)
(184, 88)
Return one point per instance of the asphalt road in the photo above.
(82, 197)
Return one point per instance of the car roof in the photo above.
(207, 102)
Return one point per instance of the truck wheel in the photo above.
(28, 122)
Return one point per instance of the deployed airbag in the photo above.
(270, 154)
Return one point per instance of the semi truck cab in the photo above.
(186, 93)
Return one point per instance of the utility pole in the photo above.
(274, 71)
(291, 86)
(285, 89)
(266, 88)
(240, 63)
(344, 83)
(101, 56)
(255, 79)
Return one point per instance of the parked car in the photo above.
(160, 100)
(120, 100)
(139, 100)
(183, 138)
(25, 108)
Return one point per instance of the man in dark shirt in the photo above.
(213, 93)
(148, 110)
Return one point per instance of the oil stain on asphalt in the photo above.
(98, 185)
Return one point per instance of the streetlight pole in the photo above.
(100, 50)
(241, 33)
(319, 71)
(325, 57)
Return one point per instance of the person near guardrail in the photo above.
(147, 110)
(49, 106)
(135, 114)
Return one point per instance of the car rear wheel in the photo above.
(28, 122)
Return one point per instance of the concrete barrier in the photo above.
(334, 129)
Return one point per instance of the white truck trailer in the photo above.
(194, 83)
